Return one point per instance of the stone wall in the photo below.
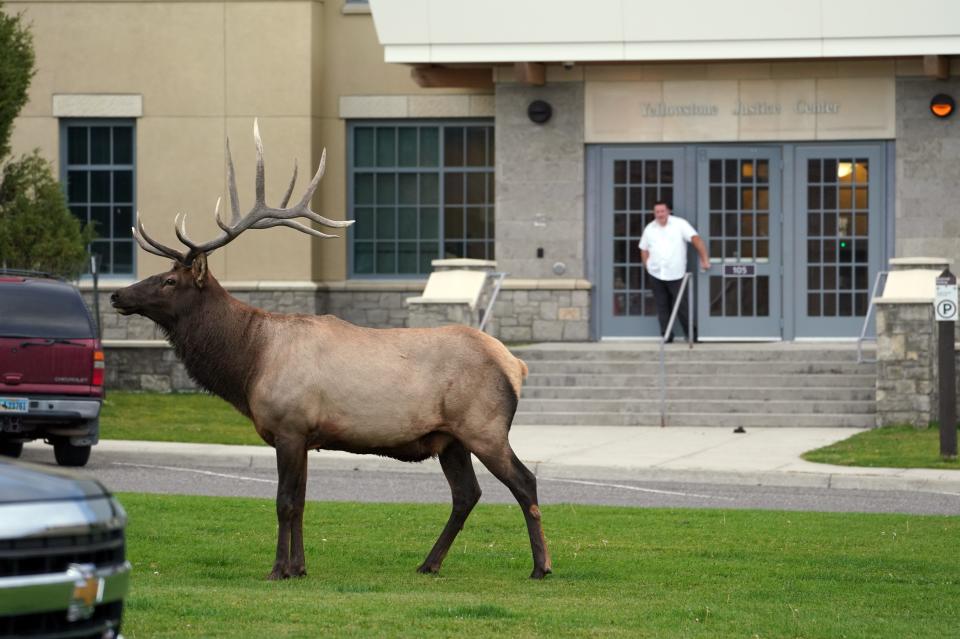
(928, 175)
(906, 365)
(525, 315)
(540, 181)
(375, 309)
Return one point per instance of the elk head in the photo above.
(166, 296)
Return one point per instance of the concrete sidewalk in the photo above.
(761, 456)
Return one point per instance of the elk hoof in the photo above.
(277, 574)
(296, 571)
(540, 573)
(428, 569)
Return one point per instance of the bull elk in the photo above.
(319, 382)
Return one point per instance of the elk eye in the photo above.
(170, 282)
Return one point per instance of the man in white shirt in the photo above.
(663, 248)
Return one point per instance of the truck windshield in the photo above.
(43, 309)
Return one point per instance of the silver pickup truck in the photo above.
(63, 567)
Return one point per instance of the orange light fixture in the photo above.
(942, 105)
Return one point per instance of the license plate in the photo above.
(13, 405)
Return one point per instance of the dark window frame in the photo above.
(125, 237)
(440, 170)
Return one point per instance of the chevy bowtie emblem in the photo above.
(87, 591)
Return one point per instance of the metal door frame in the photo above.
(600, 167)
(879, 227)
(771, 327)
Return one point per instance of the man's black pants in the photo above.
(665, 295)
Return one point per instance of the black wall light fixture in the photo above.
(539, 111)
(942, 105)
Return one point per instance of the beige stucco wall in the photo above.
(204, 71)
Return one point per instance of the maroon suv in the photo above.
(51, 368)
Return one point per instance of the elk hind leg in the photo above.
(506, 467)
(465, 491)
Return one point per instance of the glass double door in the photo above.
(739, 214)
(794, 235)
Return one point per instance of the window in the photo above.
(418, 192)
(97, 160)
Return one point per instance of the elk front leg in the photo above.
(291, 494)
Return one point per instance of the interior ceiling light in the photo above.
(942, 105)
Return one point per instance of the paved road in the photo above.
(188, 475)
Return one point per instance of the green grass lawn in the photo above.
(890, 447)
(179, 417)
(200, 562)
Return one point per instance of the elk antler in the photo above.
(260, 216)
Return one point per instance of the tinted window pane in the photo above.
(363, 257)
(407, 223)
(43, 309)
(386, 258)
(99, 186)
(100, 216)
(476, 146)
(429, 224)
(453, 223)
(122, 221)
(363, 188)
(453, 146)
(429, 188)
(429, 146)
(386, 224)
(102, 252)
(364, 225)
(386, 146)
(99, 145)
(123, 145)
(122, 257)
(407, 259)
(123, 186)
(386, 189)
(77, 186)
(428, 252)
(76, 145)
(407, 151)
(363, 146)
(408, 188)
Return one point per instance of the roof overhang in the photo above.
(453, 32)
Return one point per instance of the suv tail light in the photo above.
(98, 368)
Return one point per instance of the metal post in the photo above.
(690, 312)
(946, 314)
(96, 294)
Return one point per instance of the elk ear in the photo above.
(199, 269)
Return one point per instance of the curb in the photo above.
(262, 457)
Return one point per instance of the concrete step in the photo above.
(651, 366)
(680, 352)
(695, 404)
(702, 392)
(703, 420)
(753, 379)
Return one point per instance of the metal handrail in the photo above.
(488, 311)
(663, 341)
(866, 320)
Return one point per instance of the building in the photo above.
(535, 133)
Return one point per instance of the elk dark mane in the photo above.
(219, 342)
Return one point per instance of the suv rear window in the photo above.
(33, 308)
